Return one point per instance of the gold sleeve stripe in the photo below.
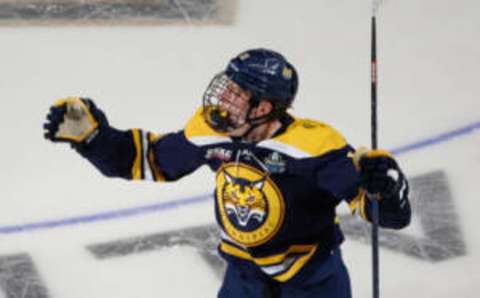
(153, 137)
(312, 137)
(353, 205)
(275, 259)
(363, 214)
(157, 174)
(359, 203)
(137, 163)
(295, 267)
(234, 251)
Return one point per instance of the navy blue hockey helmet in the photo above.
(265, 74)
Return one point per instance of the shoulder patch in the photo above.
(200, 133)
(309, 138)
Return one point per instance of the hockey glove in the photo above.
(74, 120)
(379, 173)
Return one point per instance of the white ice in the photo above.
(154, 77)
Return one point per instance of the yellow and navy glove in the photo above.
(74, 120)
(381, 178)
(380, 173)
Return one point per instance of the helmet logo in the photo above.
(287, 73)
(270, 66)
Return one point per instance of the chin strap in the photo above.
(258, 121)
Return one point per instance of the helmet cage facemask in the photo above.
(221, 121)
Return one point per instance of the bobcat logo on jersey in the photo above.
(244, 199)
(250, 205)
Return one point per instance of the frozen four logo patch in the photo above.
(275, 163)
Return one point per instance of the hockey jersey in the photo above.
(275, 200)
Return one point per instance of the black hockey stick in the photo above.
(375, 253)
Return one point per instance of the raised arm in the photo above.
(131, 154)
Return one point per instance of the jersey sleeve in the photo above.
(338, 175)
(140, 155)
(336, 172)
(328, 154)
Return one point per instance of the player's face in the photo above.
(235, 101)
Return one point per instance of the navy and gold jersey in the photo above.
(275, 200)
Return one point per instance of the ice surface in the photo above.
(152, 77)
(19, 278)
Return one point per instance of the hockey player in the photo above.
(278, 177)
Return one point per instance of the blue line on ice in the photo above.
(102, 216)
(443, 137)
(160, 207)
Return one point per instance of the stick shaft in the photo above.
(374, 73)
(374, 84)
